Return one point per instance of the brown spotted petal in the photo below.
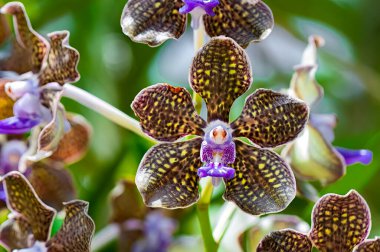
(16, 233)
(167, 113)
(167, 175)
(23, 201)
(61, 63)
(312, 158)
(31, 48)
(286, 240)
(126, 202)
(220, 73)
(74, 143)
(340, 222)
(270, 118)
(244, 21)
(6, 103)
(153, 21)
(263, 182)
(77, 230)
(5, 30)
(52, 183)
(372, 245)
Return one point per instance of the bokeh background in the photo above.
(115, 69)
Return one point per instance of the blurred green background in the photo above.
(115, 69)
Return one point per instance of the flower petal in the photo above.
(52, 183)
(340, 222)
(270, 118)
(5, 30)
(31, 47)
(286, 240)
(244, 21)
(126, 202)
(314, 159)
(6, 103)
(372, 245)
(61, 63)
(355, 156)
(152, 22)
(167, 113)
(220, 73)
(24, 202)
(263, 182)
(16, 233)
(74, 143)
(303, 84)
(15, 125)
(77, 230)
(167, 175)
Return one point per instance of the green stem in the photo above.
(204, 217)
(224, 222)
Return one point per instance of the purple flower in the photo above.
(154, 21)
(312, 156)
(339, 223)
(256, 178)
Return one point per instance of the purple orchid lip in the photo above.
(206, 5)
(355, 156)
(16, 125)
(219, 171)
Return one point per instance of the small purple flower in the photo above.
(153, 22)
(256, 178)
(339, 223)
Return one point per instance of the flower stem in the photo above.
(224, 222)
(199, 40)
(103, 108)
(204, 217)
(105, 237)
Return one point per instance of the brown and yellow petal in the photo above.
(77, 230)
(62, 61)
(6, 103)
(242, 20)
(167, 175)
(167, 113)
(286, 240)
(312, 158)
(16, 233)
(23, 201)
(270, 118)
(263, 182)
(220, 73)
(153, 22)
(52, 183)
(74, 143)
(372, 245)
(340, 222)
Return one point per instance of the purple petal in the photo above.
(219, 171)
(10, 155)
(355, 156)
(206, 5)
(15, 125)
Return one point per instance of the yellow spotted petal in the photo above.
(340, 223)
(270, 118)
(263, 182)
(286, 240)
(372, 245)
(220, 73)
(167, 113)
(167, 175)
(16, 233)
(242, 20)
(153, 22)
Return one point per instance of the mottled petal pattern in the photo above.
(76, 233)
(23, 201)
(62, 60)
(52, 183)
(167, 175)
(372, 245)
(263, 182)
(340, 222)
(31, 47)
(16, 233)
(286, 240)
(220, 73)
(312, 158)
(167, 113)
(244, 21)
(153, 21)
(270, 118)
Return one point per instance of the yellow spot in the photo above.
(328, 231)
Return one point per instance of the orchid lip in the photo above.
(206, 5)
(16, 125)
(355, 156)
